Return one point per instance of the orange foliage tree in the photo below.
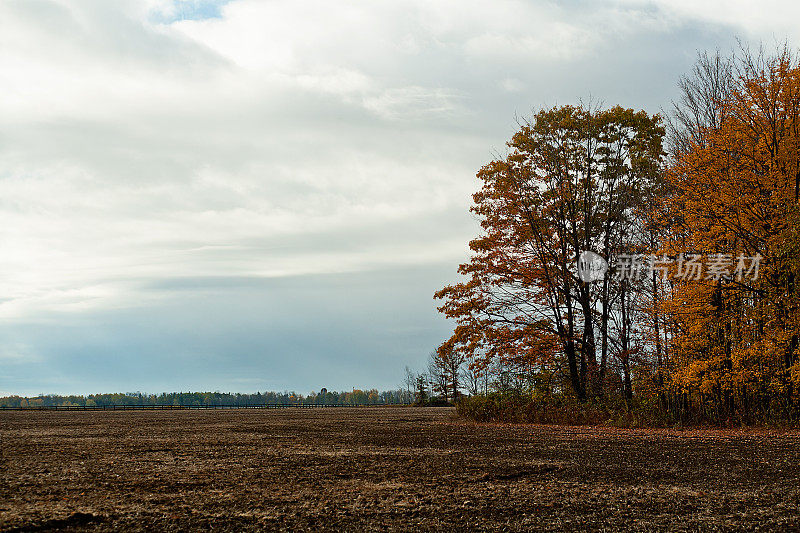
(574, 180)
(733, 194)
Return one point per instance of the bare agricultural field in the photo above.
(383, 468)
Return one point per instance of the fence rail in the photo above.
(145, 407)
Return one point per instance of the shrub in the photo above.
(565, 410)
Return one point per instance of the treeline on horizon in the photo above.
(704, 202)
(188, 399)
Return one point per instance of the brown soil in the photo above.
(383, 468)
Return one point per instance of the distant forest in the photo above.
(354, 397)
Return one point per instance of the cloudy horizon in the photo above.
(248, 195)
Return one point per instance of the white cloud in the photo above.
(413, 103)
(768, 20)
(558, 42)
(137, 143)
(512, 85)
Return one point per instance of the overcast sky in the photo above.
(263, 195)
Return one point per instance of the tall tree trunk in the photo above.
(603, 336)
(626, 367)
(657, 331)
(588, 347)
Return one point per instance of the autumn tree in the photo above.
(572, 182)
(733, 194)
